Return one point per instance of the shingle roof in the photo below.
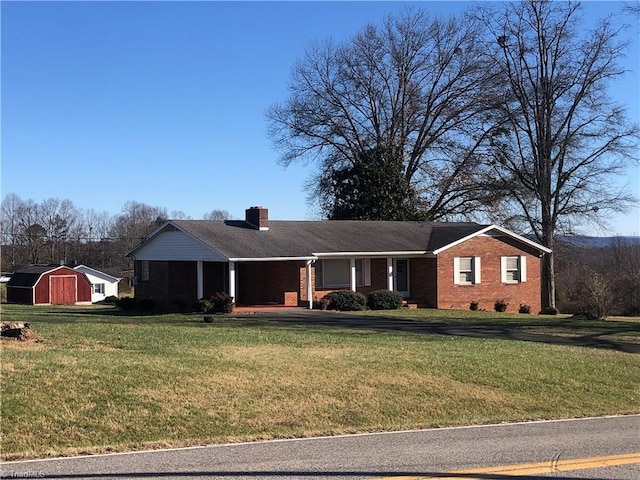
(29, 275)
(236, 239)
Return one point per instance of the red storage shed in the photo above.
(49, 285)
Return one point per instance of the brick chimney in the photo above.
(257, 217)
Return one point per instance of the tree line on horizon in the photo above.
(604, 277)
(55, 231)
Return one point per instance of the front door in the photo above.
(401, 276)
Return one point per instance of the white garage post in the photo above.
(200, 283)
(352, 275)
(232, 280)
(390, 274)
(309, 289)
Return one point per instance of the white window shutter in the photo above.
(476, 270)
(503, 269)
(366, 271)
(523, 268)
(456, 270)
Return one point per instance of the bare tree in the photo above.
(633, 8)
(627, 274)
(559, 140)
(135, 222)
(91, 243)
(12, 206)
(409, 87)
(217, 215)
(59, 218)
(31, 234)
(179, 215)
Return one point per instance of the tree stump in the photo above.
(18, 330)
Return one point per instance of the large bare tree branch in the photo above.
(410, 86)
(562, 130)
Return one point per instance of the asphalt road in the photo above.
(597, 448)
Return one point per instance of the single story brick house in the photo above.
(294, 263)
(49, 285)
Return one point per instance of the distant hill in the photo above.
(597, 242)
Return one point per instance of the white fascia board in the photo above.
(270, 259)
(503, 230)
(410, 253)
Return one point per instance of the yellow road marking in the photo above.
(536, 468)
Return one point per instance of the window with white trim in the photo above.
(337, 272)
(466, 270)
(513, 269)
(98, 288)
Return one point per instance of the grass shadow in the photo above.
(567, 331)
(623, 336)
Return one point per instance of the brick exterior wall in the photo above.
(302, 276)
(490, 289)
(423, 282)
(263, 283)
(170, 283)
(214, 278)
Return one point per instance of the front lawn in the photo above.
(98, 381)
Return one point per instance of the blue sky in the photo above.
(163, 102)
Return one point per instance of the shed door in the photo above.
(63, 289)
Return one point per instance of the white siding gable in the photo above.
(177, 246)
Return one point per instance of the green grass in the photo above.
(96, 381)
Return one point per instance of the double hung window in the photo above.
(513, 269)
(466, 270)
(336, 273)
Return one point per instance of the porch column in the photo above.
(352, 274)
(309, 286)
(232, 281)
(199, 280)
(390, 274)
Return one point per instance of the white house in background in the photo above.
(103, 285)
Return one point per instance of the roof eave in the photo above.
(373, 254)
(271, 259)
